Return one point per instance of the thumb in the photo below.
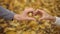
(30, 18)
(42, 18)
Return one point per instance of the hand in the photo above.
(44, 15)
(24, 15)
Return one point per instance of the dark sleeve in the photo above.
(6, 14)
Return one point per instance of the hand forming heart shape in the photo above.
(24, 16)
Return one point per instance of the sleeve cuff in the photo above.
(57, 22)
(9, 16)
(6, 14)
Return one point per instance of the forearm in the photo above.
(6, 14)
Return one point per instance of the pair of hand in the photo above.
(24, 15)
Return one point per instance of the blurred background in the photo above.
(30, 27)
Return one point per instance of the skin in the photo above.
(24, 15)
(45, 15)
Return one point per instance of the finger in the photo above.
(42, 18)
(27, 10)
(39, 11)
(30, 18)
(42, 11)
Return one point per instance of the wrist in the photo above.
(53, 18)
(16, 16)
